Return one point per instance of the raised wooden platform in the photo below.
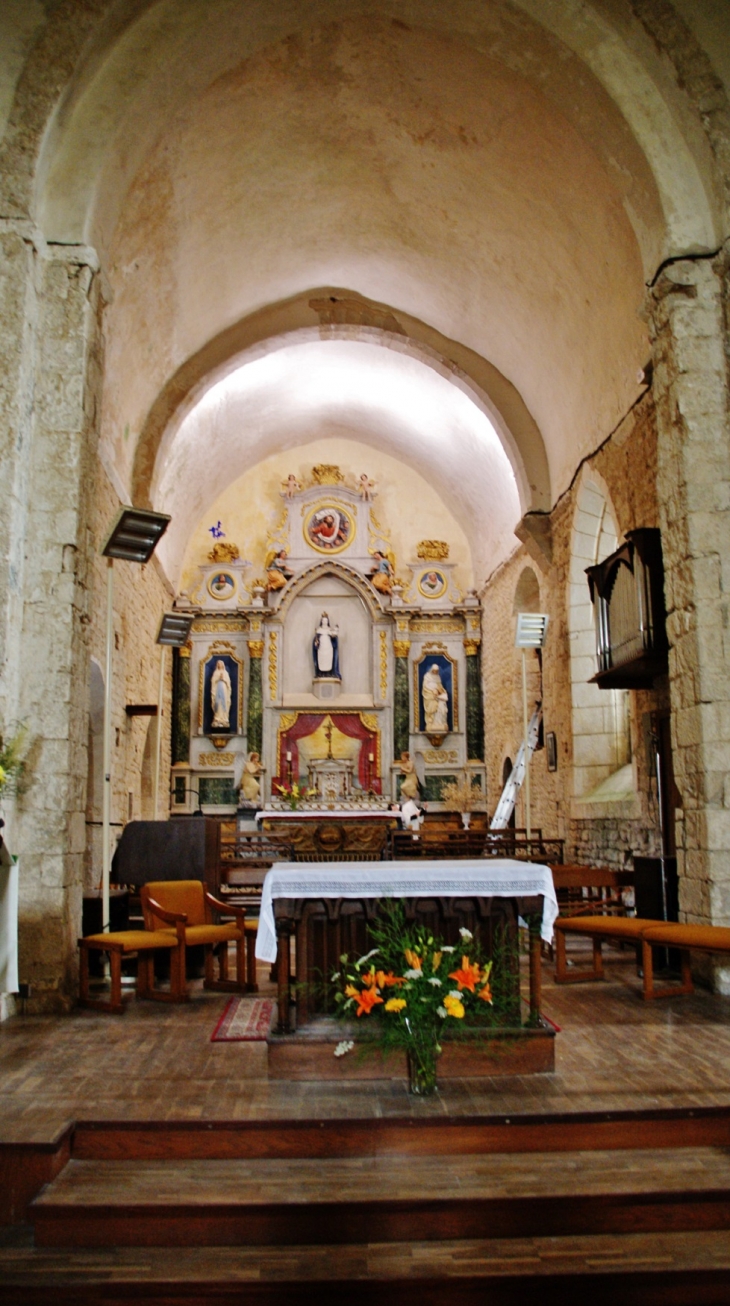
(308, 1055)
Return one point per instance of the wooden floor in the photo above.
(196, 1180)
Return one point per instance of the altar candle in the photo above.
(288, 757)
(372, 759)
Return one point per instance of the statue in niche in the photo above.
(383, 572)
(409, 788)
(250, 782)
(220, 696)
(435, 702)
(277, 570)
(325, 650)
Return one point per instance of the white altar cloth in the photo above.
(483, 878)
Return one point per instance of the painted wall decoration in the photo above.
(221, 585)
(329, 528)
(436, 694)
(220, 694)
(432, 584)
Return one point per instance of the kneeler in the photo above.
(186, 904)
(145, 943)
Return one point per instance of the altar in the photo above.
(328, 670)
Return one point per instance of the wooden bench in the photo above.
(641, 933)
(145, 943)
(623, 929)
(687, 938)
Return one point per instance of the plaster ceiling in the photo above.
(383, 399)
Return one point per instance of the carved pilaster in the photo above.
(474, 702)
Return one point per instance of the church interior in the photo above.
(365, 447)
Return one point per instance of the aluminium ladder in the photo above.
(506, 804)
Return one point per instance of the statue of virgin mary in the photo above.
(325, 650)
(220, 696)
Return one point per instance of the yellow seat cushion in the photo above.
(706, 938)
(617, 927)
(132, 940)
(183, 897)
(251, 925)
(195, 934)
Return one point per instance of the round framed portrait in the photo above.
(221, 585)
(329, 528)
(432, 584)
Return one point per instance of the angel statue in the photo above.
(366, 488)
(220, 696)
(290, 486)
(382, 575)
(277, 570)
(248, 783)
(326, 650)
(409, 784)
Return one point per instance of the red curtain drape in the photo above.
(348, 723)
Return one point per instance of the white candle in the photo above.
(288, 757)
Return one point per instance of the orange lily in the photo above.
(467, 976)
(351, 991)
(413, 959)
(485, 994)
(370, 979)
(387, 981)
(368, 999)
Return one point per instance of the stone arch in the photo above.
(600, 721)
(372, 600)
(527, 592)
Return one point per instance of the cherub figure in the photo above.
(366, 488)
(290, 487)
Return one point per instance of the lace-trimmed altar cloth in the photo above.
(482, 878)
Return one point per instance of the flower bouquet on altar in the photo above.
(294, 794)
(417, 989)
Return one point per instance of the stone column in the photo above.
(689, 328)
(401, 698)
(255, 714)
(55, 396)
(474, 701)
(180, 705)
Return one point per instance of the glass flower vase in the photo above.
(422, 1069)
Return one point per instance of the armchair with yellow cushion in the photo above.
(167, 902)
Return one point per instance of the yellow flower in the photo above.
(436, 961)
(2, 775)
(413, 959)
(454, 1008)
(351, 991)
(395, 1004)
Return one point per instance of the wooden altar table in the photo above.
(530, 885)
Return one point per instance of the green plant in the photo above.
(13, 765)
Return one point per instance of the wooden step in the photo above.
(346, 1200)
(656, 1269)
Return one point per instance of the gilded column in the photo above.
(255, 716)
(401, 699)
(474, 703)
(180, 705)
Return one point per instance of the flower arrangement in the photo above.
(12, 761)
(462, 795)
(417, 989)
(294, 793)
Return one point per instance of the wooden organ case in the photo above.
(627, 591)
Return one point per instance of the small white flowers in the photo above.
(448, 948)
(441, 1011)
(413, 974)
(466, 935)
(344, 1047)
(434, 979)
(455, 994)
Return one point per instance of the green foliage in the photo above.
(13, 766)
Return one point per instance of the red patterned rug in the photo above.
(245, 1020)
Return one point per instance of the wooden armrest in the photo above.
(170, 916)
(227, 908)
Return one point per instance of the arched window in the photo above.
(600, 718)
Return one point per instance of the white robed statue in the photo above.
(435, 702)
(325, 650)
(220, 696)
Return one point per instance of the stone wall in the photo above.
(607, 829)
